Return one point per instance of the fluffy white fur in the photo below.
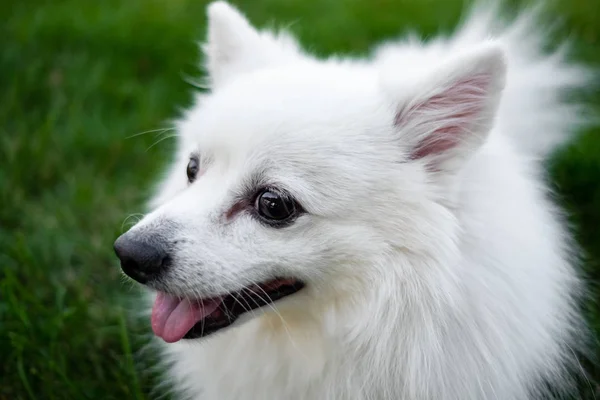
(436, 267)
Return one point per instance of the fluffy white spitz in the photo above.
(365, 228)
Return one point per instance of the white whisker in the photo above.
(139, 216)
(161, 131)
(161, 139)
(283, 321)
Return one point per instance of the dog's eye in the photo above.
(192, 169)
(274, 206)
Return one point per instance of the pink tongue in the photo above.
(172, 318)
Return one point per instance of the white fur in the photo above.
(444, 275)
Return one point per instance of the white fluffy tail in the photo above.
(535, 110)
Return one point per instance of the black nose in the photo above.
(141, 259)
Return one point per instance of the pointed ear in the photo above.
(445, 116)
(233, 46)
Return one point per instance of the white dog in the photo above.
(365, 229)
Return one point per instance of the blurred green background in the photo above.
(78, 79)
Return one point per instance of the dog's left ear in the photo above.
(234, 47)
(442, 117)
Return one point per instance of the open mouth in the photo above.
(174, 319)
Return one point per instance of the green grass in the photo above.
(76, 80)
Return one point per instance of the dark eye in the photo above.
(192, 169)
(275, 207)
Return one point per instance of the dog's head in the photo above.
(298, 175)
